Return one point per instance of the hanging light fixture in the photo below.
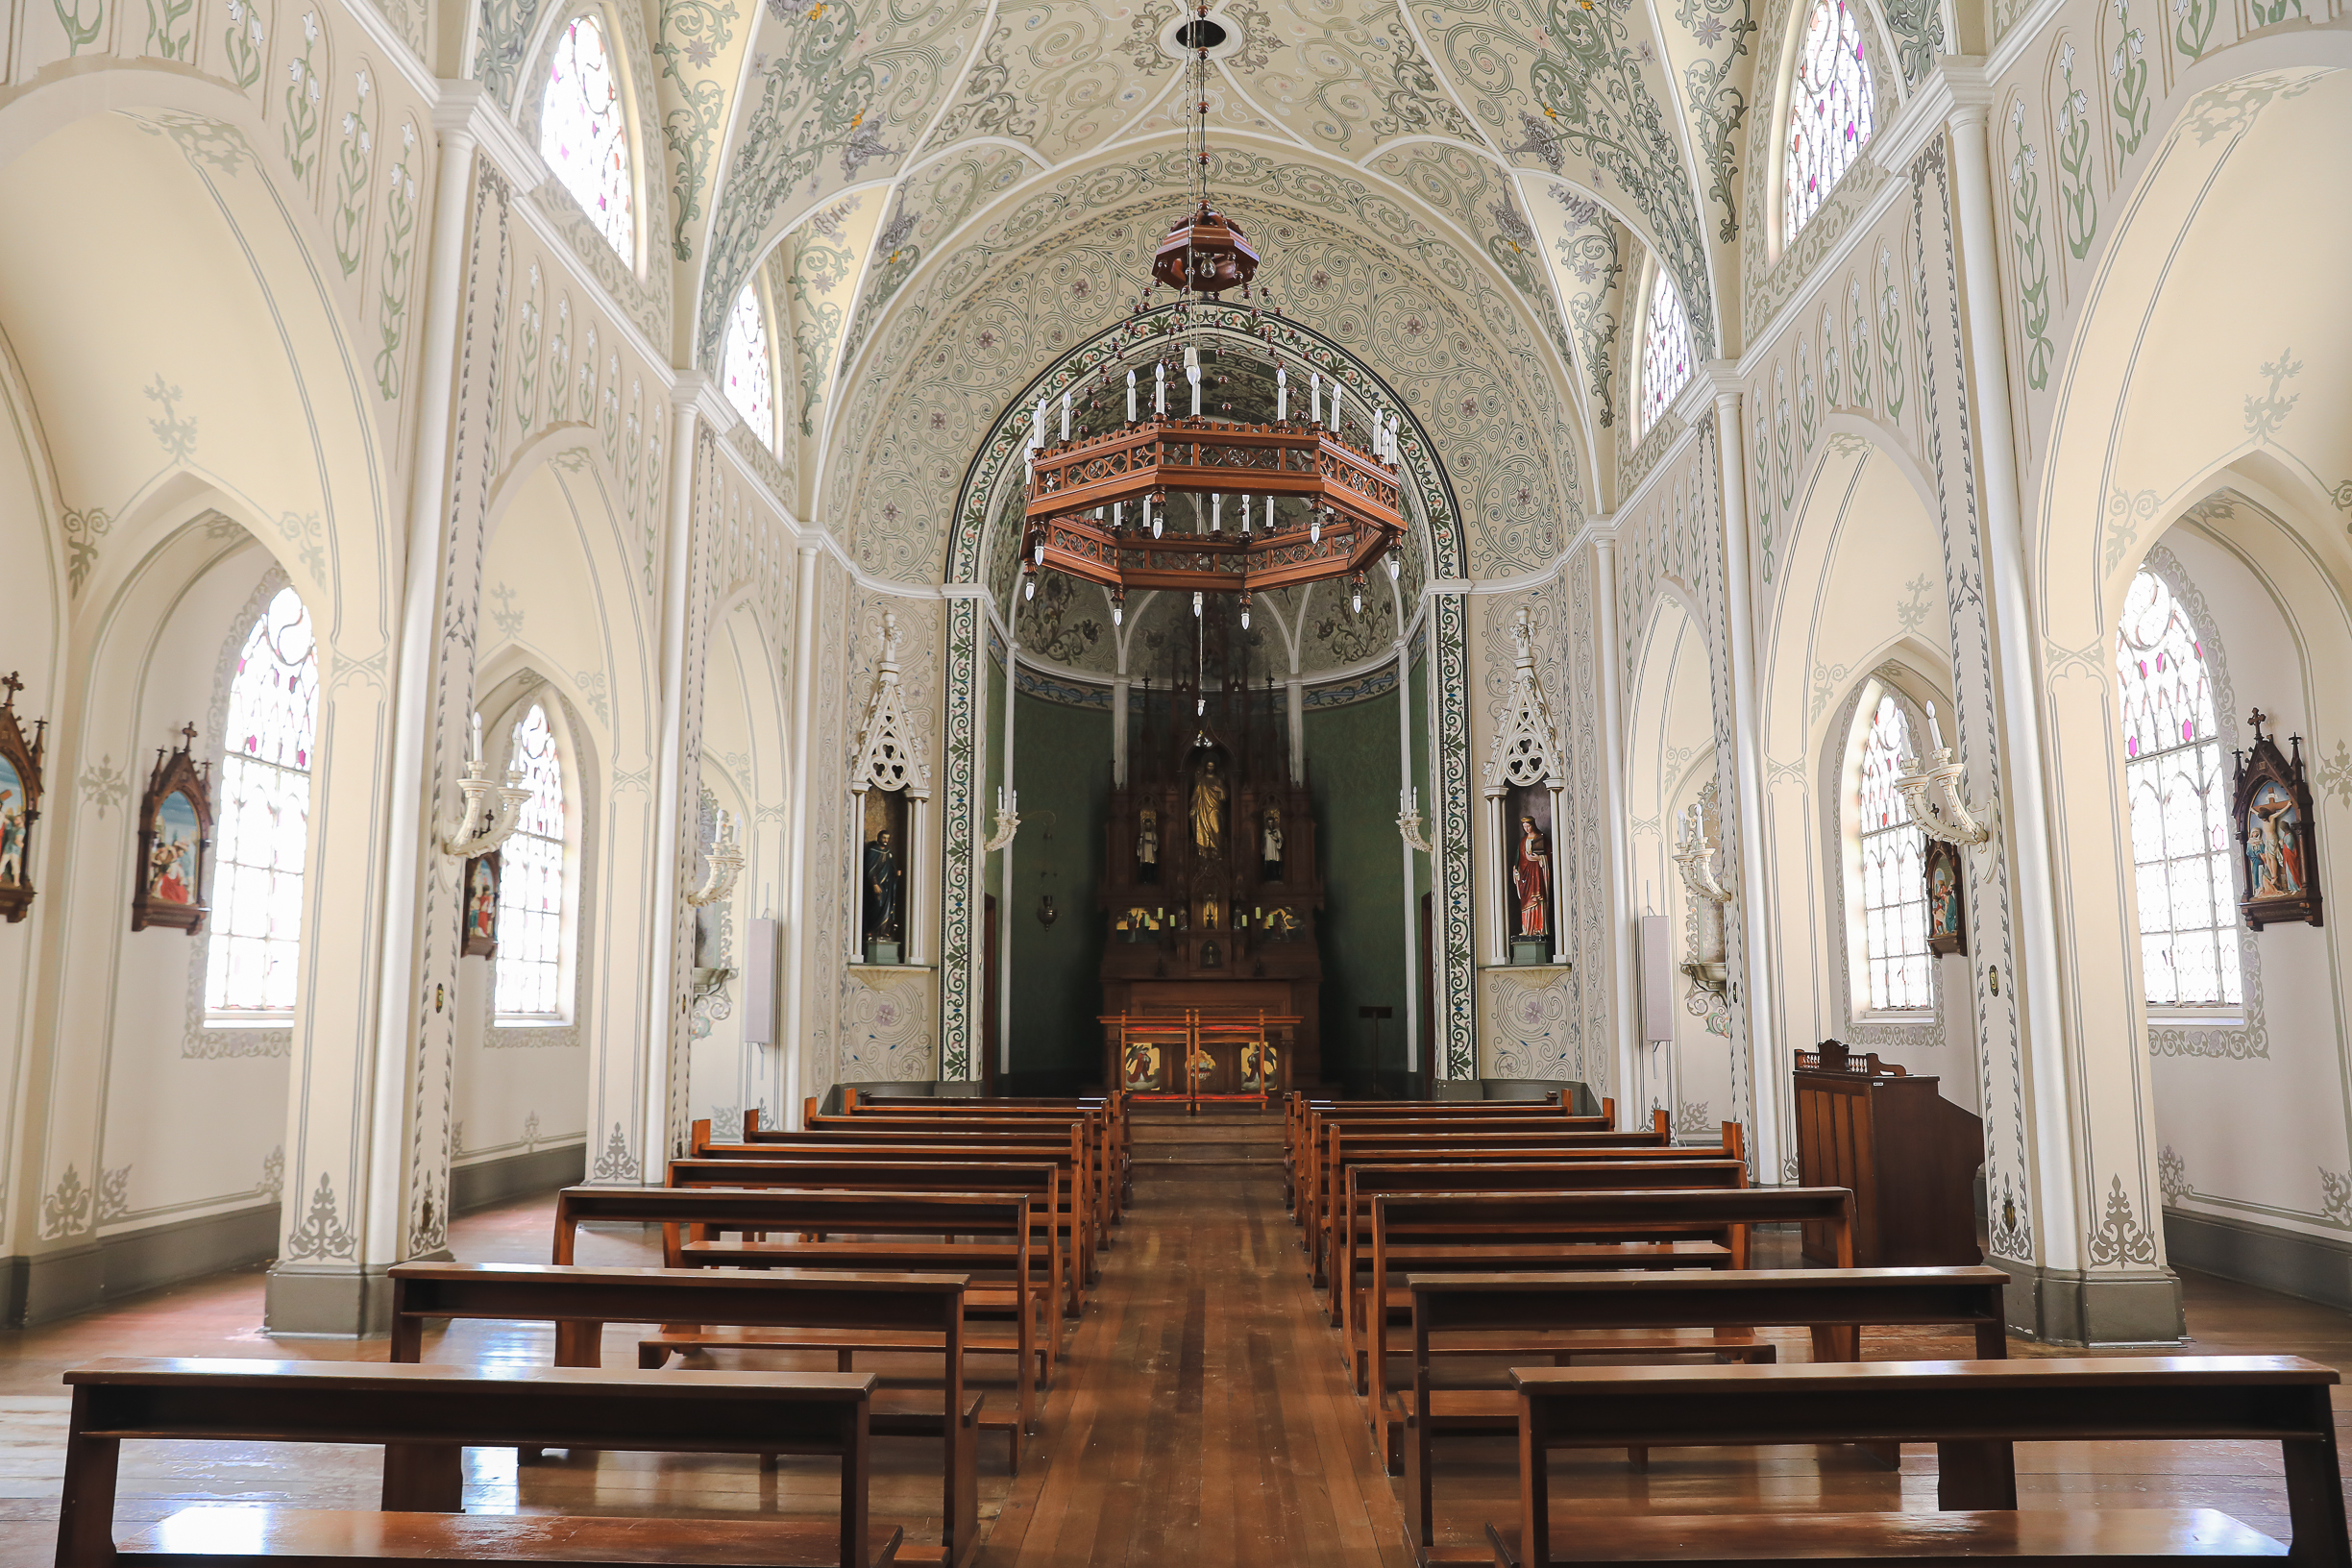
(1351, 495)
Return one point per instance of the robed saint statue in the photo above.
(881, 889)
(1530, 879)
(1208, 807)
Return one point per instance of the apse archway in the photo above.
(972, 615)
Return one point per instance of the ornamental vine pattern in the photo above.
(2077, 201)
(2025, 242)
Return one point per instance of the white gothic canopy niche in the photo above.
(890, 784)
(1525, 778)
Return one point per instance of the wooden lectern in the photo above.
(1909, 1155)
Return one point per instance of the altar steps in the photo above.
(1221, 1138)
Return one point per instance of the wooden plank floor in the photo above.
(1201, 1414)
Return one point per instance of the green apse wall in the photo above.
(1061, 766)
(1352, 773)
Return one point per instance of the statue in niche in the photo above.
(1209, 915)
(1532, 879)
(1270, 847)
(1209, 957)
(1208, 807)
(882, 884)
(1147, 847)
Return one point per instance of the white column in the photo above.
(1559, 875)
(2025, 817)
(1296, 692)
(791, 1039)
(1004, 872)
(666, 1040)
(1765, 1065)
(1620, 846)
(1412, 913)
(1118, 730)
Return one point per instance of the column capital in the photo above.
(1722, 379)
(452, 112)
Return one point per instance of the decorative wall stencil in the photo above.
(2266, 411)
(2120, 1238)
(691, 36)
(392, 284)
(175, 833)
(65, 1210)
(20, 799)
(613, 1162)
(354, 177)
(2172, 1176)
(1527, 1019)
(82, 531)
(2077, 201)
(886, 1031)
(1587, 248)
(321, 1236)
(113, 1194)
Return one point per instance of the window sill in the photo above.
(532, 1021)
(2198, 1017)
(249, 1020)
(1917, 1016)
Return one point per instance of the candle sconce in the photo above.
(1408, 820)
(484, 823)
(726, 863)
(1008, 819)
(1932, 794)
(1705, 960)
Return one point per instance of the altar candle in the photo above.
(1282, 393)
(1131, 395)
(1315, 396)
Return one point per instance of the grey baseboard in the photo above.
(2312, 1267)
(516, 1176)
(2075, 1307)
(47, 1285)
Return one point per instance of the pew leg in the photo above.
(1417, 1489)
(579, 1344)
(1637, 1459)
(1978, 1475)
(843, 1360)
(962, 1510)
(85, 1517)
(423, 1478)
(2314, 1495)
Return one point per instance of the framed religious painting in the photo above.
(2271, 813)
(20, 792)
(175, 830)
(1947, 899)
(482, 907)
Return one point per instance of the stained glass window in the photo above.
(1894, 876)
(750, 381)
(1666, 351)
(2179, 804)
(262, 837)
(584, 131)
(1832, 114)
(532, 882)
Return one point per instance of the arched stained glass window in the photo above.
(1666, 351)
(750, 381)
(1831, 113)
(584, 131)
(1894, 872)
(262, 837)
(532, 882)
(2179, 804)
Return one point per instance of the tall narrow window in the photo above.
(1893, 877)
(1831, 113)
(532, 882)
(1666, 351)
(2179, 804)
(749, 382)
(263, 833)
(584, 131)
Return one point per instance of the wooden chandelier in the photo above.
(1088, 512)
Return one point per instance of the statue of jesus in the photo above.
(1208, 807)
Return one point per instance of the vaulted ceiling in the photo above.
(1464, 189)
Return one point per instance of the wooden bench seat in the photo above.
(1974, 1411)
(425, 1417)
(233, 1532)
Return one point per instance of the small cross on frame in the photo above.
(2257, 719)
(13, 686)
(189, 732)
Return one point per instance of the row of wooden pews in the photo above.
(957, 1229)
(1475, 1254)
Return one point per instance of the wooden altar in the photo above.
(1209, 888)
(1199, 1054)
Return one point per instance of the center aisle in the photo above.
(1202, 1414)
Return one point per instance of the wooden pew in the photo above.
(1076, 1141)
(1300, 1112)
(1974, 1411)
(1078, 1217)
(1041, 1184)
(1333, 1225)
(426, 1416)
(1114, 1108)
(1834, 1304)
(1001, 1225)
(1092, 1132)
(920, 1311)
(1342, 1140)
(1415, 1228)
(1303, 1160)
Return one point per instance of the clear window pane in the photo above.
(2183, 870)
(1666, 351)
(263, 819)
(749, 380)
(532, 882)
(1893, 871)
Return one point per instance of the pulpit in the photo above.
(1909, 1155)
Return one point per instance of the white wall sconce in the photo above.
(485, 823)
(1703, 960)
(1008, 819)
(1932, 794)
(726, 863)
(1408, 820)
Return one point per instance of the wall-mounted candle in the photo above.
(1118, 515)
(1334, 407)
(1160, 387)
(1131, 391)
(1935, 731)
(1315, 397)
(478, 742)
(1037, 425)
(1217, 513)
(1282, 393)
(1065, 402)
